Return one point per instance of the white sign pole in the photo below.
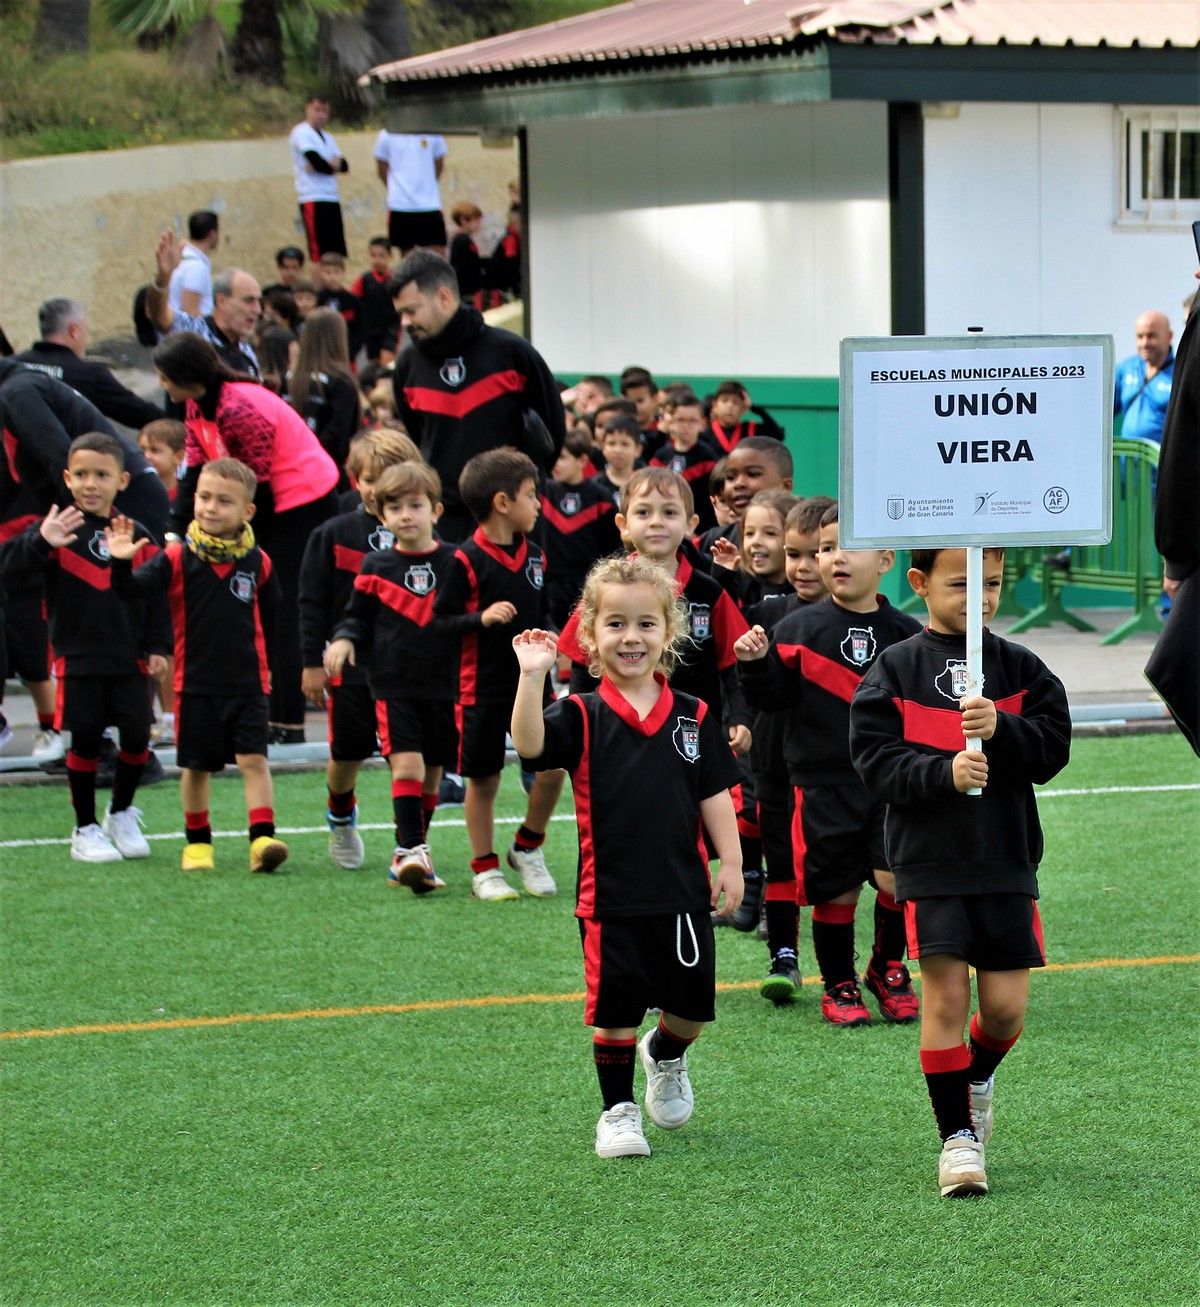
(974, 635)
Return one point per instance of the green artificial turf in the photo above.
(445, 1155)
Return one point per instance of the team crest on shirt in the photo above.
(679, 464)
(454, 371)
(700, 620)
(686, 738)
(571, 504)
(98, 547)
(381, 539)
(951, 681)
(534, 573)
(859, 645)
(420, 579)
(242, 585)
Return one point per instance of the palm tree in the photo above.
(62, 27)
(258, 42)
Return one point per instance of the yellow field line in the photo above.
(452, 1004)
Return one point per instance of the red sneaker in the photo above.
(894, 990)
(843, 1006)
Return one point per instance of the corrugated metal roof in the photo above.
(657, 29)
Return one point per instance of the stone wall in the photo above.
(85, 225)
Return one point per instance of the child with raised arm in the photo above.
(643, 904)
(965, 867)
(223, 596)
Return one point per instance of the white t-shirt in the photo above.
(412, 185)
(313, 185)
(194, 273)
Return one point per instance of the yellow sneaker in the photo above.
(197, 857)
(267, 853)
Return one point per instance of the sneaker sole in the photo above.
(885, 1014)
(540, 893)
(965, 1189)
(628, 1150)
(496, 898)
(82, 857)
(779, 990)
(271, 859)
(411, 876)
(848, 1024)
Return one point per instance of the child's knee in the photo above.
(252, 764)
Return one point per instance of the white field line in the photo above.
(565, 816)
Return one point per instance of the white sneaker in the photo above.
(6, 733)
(981, 1108)
(619, 1132)
(669, 1098)
(413, 868)
(48, 746)
(90, 844)
(960, 1168)
(491, 887)
(345, 843)
(535, 875)
(124, 829)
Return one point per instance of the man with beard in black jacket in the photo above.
(463, 387)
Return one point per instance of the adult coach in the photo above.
(463, 387)
(317, 163)
(410, 165)
(1143, 380)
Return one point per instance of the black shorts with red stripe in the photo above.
(634, 963)
(482, 738)
(211, 730)
(88, 704)
(837, 840)
(775, 826)
(992, 932)
(350, 711)
(424, 726)
(323, 229)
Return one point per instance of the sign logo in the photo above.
(951, 681)
(1055, 500)
(98, 547)
(571, 504)
(454, 371)
(242, 585)
(895, 508)
(686, 738)
(381, 540)
(420, 579)
(535, 574)
(981, 503)
(700, 620)
(859, 645)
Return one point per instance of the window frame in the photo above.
(1141, 212)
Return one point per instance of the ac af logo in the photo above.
(98, 547)
(686, 738)
(951, 681)
(381, 540)
(859, 645)
(535, 574)
(454, 371)
(700, 620)
(242, 585)
(420, 579)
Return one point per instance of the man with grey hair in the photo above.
(60, 354)
(229, 328)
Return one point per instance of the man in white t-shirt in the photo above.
(409, 165)
(317, 162)
(190, 290)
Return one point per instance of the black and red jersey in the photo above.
(602, 482)
(377, 314)
(333, 557)
(817, 657)
(707, 667)
(223, 615)
(770, 725)
(906, 727)
(578, 527)
(694, 465)
(390, 617)
(480, 574)
(638, 788)
(347, 304)
(727, 439)
(91, 631)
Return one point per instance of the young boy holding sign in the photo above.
(965, 867)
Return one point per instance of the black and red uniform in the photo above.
(966, 866)
(694, 465)
(727, 439)
(333, 557)
(482, 573)
(347, 303)
(409, 664)
(643, 888)
(224, 617)
(817, 657)
(578, 527)
(471, 269)
(379, 323)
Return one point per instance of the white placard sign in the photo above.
(976, 440)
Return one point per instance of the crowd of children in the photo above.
(664, 606)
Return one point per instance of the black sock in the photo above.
(947, 1076)
(81, 777)
(986, 1052)
(196, 827)
(833, 942)
(752, 851)
(526, 839)
(890, 939)
(341, 807)
(131, 762)
(614, 1069)
(261, 822)
(406, 812)
(783, 925)
(666, 1046)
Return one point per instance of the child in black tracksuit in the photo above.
(965, 867)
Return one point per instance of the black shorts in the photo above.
(26, 636)
(993, 932)
(322, 221)
(482, 735)
(88, 704)
(775, 823)
(424, 726)
(634, 963)
(837, 839)
(212, 730)
(406, 230)
(350, 712)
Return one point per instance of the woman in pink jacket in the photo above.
(230, 417)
